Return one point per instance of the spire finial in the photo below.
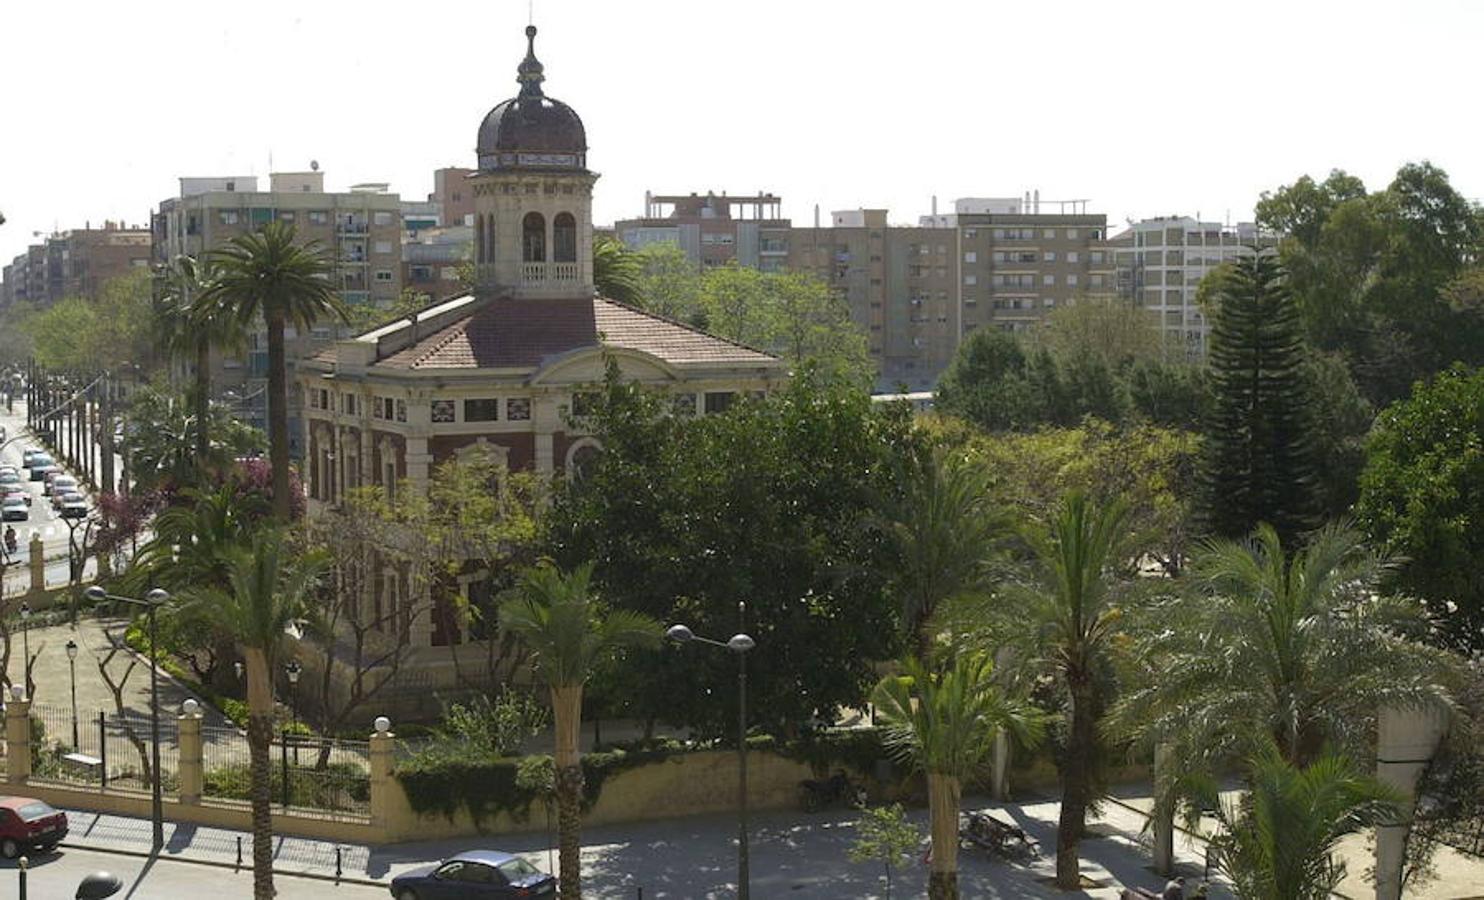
(530, 71)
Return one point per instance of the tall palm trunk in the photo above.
(278, 414)
(943, 799)
(566, 704)
(1076, 780)
(203, 398)
(259, 743)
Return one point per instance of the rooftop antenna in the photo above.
(530, 12)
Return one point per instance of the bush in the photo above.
(340, 786)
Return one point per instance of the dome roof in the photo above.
(532, 123)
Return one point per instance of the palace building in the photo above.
(497, 369)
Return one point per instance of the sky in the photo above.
(1144, 109)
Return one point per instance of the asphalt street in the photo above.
(57, 875)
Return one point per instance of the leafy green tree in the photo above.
(944, 530)
(1420, 498)
(1279, 841)
(769, 503)
(1258, 463)
(160, 432)
(553, 614)
(1113, 332)
(616, 271)
(884, 835)
(943, 724)
(1169, 394)
(266, 275)
(365, 316)
(81, 334)
(1297, 649)
(191, 329)
(1341, 419)
(267, 589)
(985, 383)
(669, 283)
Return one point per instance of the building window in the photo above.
(228, 216)
(1072, 256)
(518, 409)
(348, 404)
(1095, 257)
(564, 238)
(401, 410)
(443, 411)
(384, 276)
(1071, 281)
(319, 217)
(718, 401)
(533, 238)
(684, 404)
(1048, 279)
(1048, 256)
(971, 279)
(383, 246)
(1071, 234)
(481, 410)
(1049, 233)
(971, 256)
(382, 218)
(971, 233)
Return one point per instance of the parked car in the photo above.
(60, 486)
(475, 874)
(27, 455)
(73, 506)
(16, 491)
(41, 463)
(27, 824)
(9, 478)
(14, 509)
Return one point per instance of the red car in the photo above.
(27, 824)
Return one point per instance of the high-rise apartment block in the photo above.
(713, 230)
(1161, 263)
(361, 227)
(75, 263)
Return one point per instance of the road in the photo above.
(57, 875)
(44, 520)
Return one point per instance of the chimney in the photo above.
(935, 205)
(816, 215)
(1037, 209)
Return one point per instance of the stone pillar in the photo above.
(382, 754)
(419, 463)
(18, 736)
(190, 765)
(38, 563)
(1164, 813)
(1406, 739)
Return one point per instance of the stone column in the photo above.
(419, 463)
(190, 767)
(382, 754)
(546, 419)
(1163, 826)
(38, 564)
(18, 736)
(1406, 739)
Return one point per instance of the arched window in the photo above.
(564, 238)
(533, 238)
(479, 254)
(582, 456)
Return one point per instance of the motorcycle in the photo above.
(816, 794)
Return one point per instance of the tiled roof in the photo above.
(523, 333)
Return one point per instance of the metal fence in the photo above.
(311, 775)
(102, 749)
(326, 777)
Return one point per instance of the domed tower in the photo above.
(533, 195)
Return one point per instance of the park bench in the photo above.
(91, 766)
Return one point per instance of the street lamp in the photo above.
(292, 670)
(238, 667)
(739, 644)
(152, 601)
(72, 665)
(26, 647)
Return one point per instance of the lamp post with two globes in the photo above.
(739, 644)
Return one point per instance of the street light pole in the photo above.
(26, 647)
(72, 665)
(739, 644)
(152, 601)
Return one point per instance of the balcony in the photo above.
(351, 227)
(533, 273)
(564, 271)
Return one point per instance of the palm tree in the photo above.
(944, 529)
(553, 613)
(616, 272)
(266, 275)
(267, 591)
(192, 328)
(1277, 842)
(1071, 600)
(1299, 650)
(943, 724)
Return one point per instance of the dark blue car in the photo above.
(477, 874)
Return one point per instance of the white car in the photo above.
(59, 487)
(74, 506)
(13, 509)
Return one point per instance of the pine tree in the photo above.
(1258, 464)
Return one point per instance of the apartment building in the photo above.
(454, 196)
(1160, 264)
(361, 226)
(432, 259)
(713, 229)
(75, 263)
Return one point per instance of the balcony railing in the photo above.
(532, 272)
(564, 271)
